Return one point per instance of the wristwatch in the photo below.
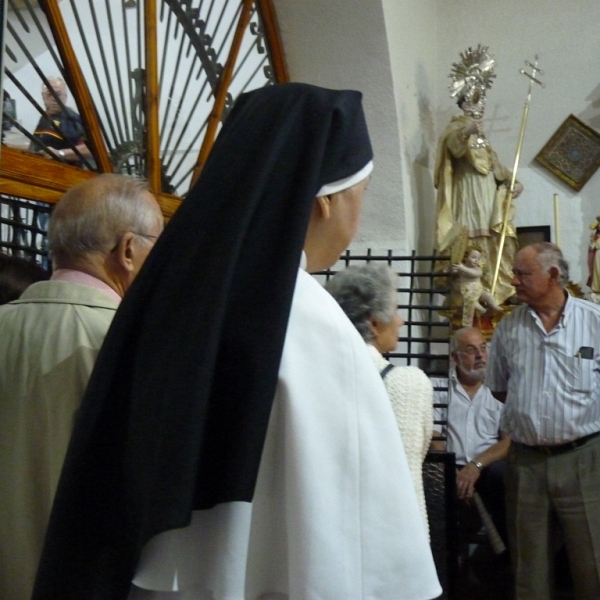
(477, 464)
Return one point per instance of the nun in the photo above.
(235, 441)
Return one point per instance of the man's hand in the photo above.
(466, 479)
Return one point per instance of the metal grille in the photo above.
(23, 226)
(439, 482)
(194, 39)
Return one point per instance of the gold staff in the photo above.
(511, 190)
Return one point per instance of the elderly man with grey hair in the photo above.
(367, 294)
(473, 418)
(545, 363)
(100, 233)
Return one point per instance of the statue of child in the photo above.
(469, 274)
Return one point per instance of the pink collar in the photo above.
(74, 276)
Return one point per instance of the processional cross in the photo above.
(535, 70)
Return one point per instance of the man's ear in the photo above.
(554, 273)
(324, 204)
(125, 251)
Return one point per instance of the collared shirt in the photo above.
(84, 278)
(473, 424)
(552, 379)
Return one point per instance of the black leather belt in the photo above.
(561, 448)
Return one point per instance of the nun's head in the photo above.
(333, 223)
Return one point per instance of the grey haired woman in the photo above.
(367, 294)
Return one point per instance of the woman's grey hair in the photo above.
(365, 292)
(550, 255)
(92, 217)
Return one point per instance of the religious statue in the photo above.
(468, 286)
(594, 262)
(472, 183)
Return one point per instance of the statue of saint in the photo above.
(594, 262)
(471, 182)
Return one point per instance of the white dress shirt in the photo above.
(473, 424)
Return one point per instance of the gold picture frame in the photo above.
(572, 153)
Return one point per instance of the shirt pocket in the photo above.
(580, 373)
(489, 422)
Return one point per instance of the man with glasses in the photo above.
(100, 233)
(545, 363)
(473, 425)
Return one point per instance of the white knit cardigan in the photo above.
(411, 395)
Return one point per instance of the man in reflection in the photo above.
(61, 128)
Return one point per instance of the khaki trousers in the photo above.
(547, 493)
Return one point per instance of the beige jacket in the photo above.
(49, 340)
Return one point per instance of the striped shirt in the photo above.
(552, 379)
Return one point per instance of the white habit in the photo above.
(335, 514)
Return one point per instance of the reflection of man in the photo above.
(473, 431)
(100, 233)
(545, 360)
(66, 121)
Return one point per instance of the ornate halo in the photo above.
(474, 73)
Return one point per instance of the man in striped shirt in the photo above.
(545, 363)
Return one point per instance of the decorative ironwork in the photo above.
(107, 40)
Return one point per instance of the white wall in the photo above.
(410, 26)
(343, 44)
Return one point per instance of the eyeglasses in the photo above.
(144, 235)
(474, 350)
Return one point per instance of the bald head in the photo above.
(59, 87)
(57, 84)
(91, 217)
(92, 220)
(469, 351)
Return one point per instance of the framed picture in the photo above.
(532, 235)
(572, 153)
